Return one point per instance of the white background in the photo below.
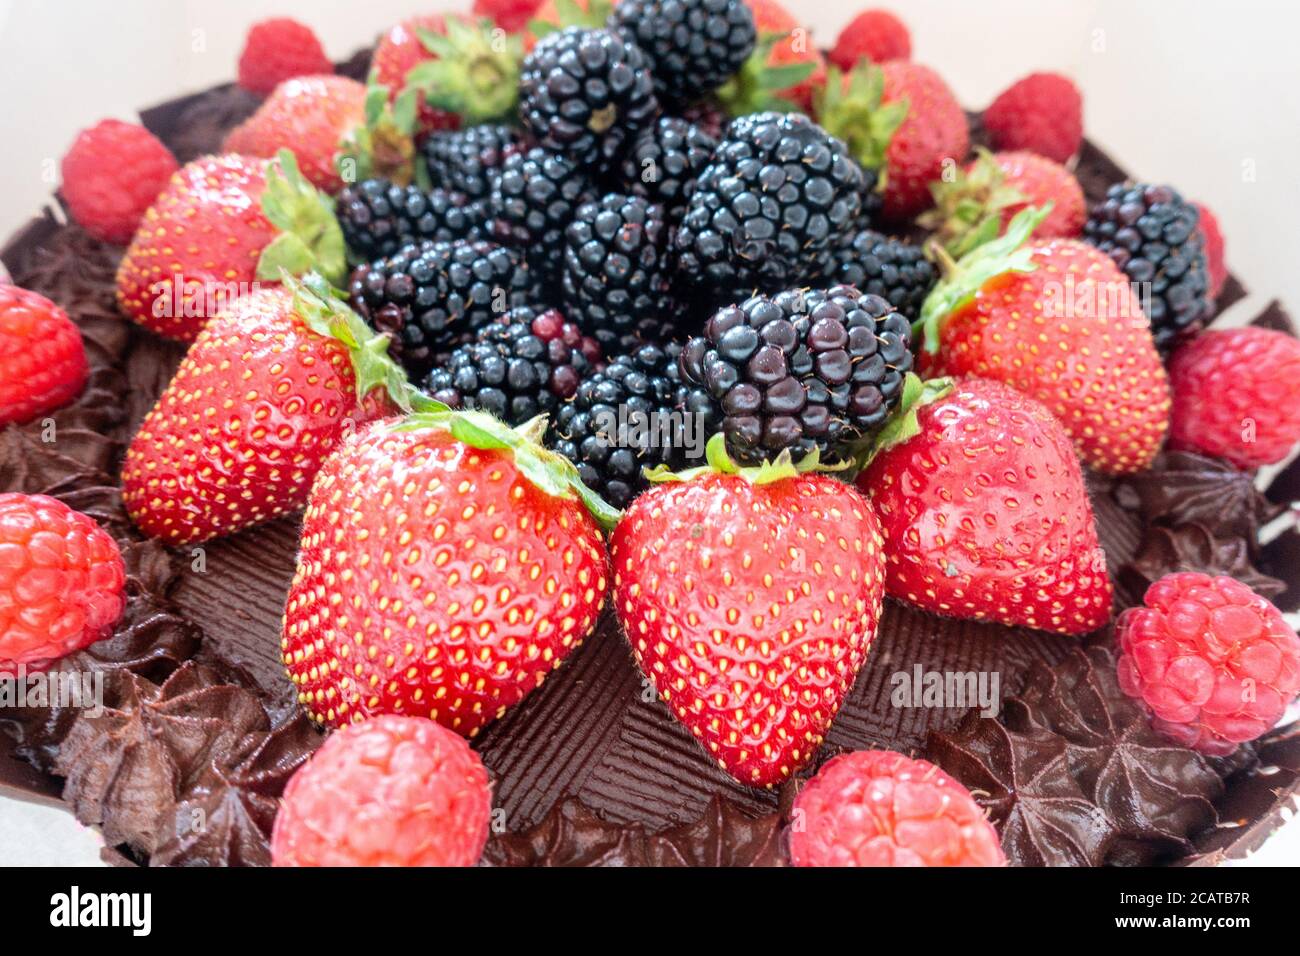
(1199, 93)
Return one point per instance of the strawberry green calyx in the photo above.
(757, 86)
(310, 238)
(719, 462)
(570, 14)
(902, 424)
(551, 473)
(326, 313)
(964, 278)
(849, 106)
(385, 144)
(474, 73)
(968, 211)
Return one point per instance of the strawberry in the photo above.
(512, 15)
(785, 70)
(448, 564)
(474, 71)
(552, 15)
(750, 598)
(899, 118)
(398, 51)
(42, 358)
(874, 35)
(1057, 320)
(985, 513)
(264, 394)
(223, 223)
(980, 202)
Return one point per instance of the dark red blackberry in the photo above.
(520, 367)
(586, 93)
(429, 293)
(694, 46)
(803, 369)
(379, 217)
(708, 115)
(468, 160)
(890, 268)
(533, 201)
(615, 270)
(634, 414)
(777, 195)
(664, 162)
(1155, 237)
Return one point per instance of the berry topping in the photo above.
(393, 791)
(279, 49)
(111, 175)
(1215, 662)
(1042, 113)
(42, 358)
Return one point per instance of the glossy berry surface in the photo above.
(693, 46)
(62, 581)
(461, 584)
(394, 791)
(664, 162)
(751, 607)
(533, 201)
(467, 161)
(871, 262)
(881, 808)
(111, 174)
(379, 217)
(42, 359)
(1216, 663)
(1237, 395)
(986, 516)
(279, 49)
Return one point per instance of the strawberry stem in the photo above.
(719, 462)
(310, 239)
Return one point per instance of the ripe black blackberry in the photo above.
(777, 195)
(870, 262)
(634, 414)
(586, 93)
(664, 162)
(378, 217)
(520, 367)
(615, 266)
(533, 201)
(694, 46)
(427, 294)
(803, 369)
(1154, 235)
(468, 160)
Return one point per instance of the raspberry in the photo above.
(1237, 395)
(1042, 113)
(42, 358)
(111, 175)
(510, 15)
(392, 791)
(880, 808)
(1214, 261)
(875, 35)
(1215, 662)
(62, 581)
(280, 49)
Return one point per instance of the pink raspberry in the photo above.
(1042, 113)
(1215, 662)
(873, 35)
(880, 808)
(392, 791)
(111, 175)
(280, 49)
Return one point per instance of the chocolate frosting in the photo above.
(1184, 487)
(1191, 547)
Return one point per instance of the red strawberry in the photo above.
(512, 15)
(901, 119)
(1042, 113)
(1058, 321)
(785, 69)
(309, 115)
(401, 50)
(265, 393)
(556, 14)
(750, 601)
(111, 174)
(473, 72)
(1214, 260)
(985, 513)
(447, 565)
(982, 200)
(42, 358)
(873, 35)
(223, 223)
(280, 49)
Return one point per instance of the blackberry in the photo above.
(533, 201)
(778, 193)
(429, 293)
(708, 115)
(468, 160)
(803, 369)
(879, 265)
(694, 46)
(636, 413)
(520, 367)
(586, 93)
(664, 162)
(615, 269)
(378, 217)
(1154, 236)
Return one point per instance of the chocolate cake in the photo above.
(201, 723)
